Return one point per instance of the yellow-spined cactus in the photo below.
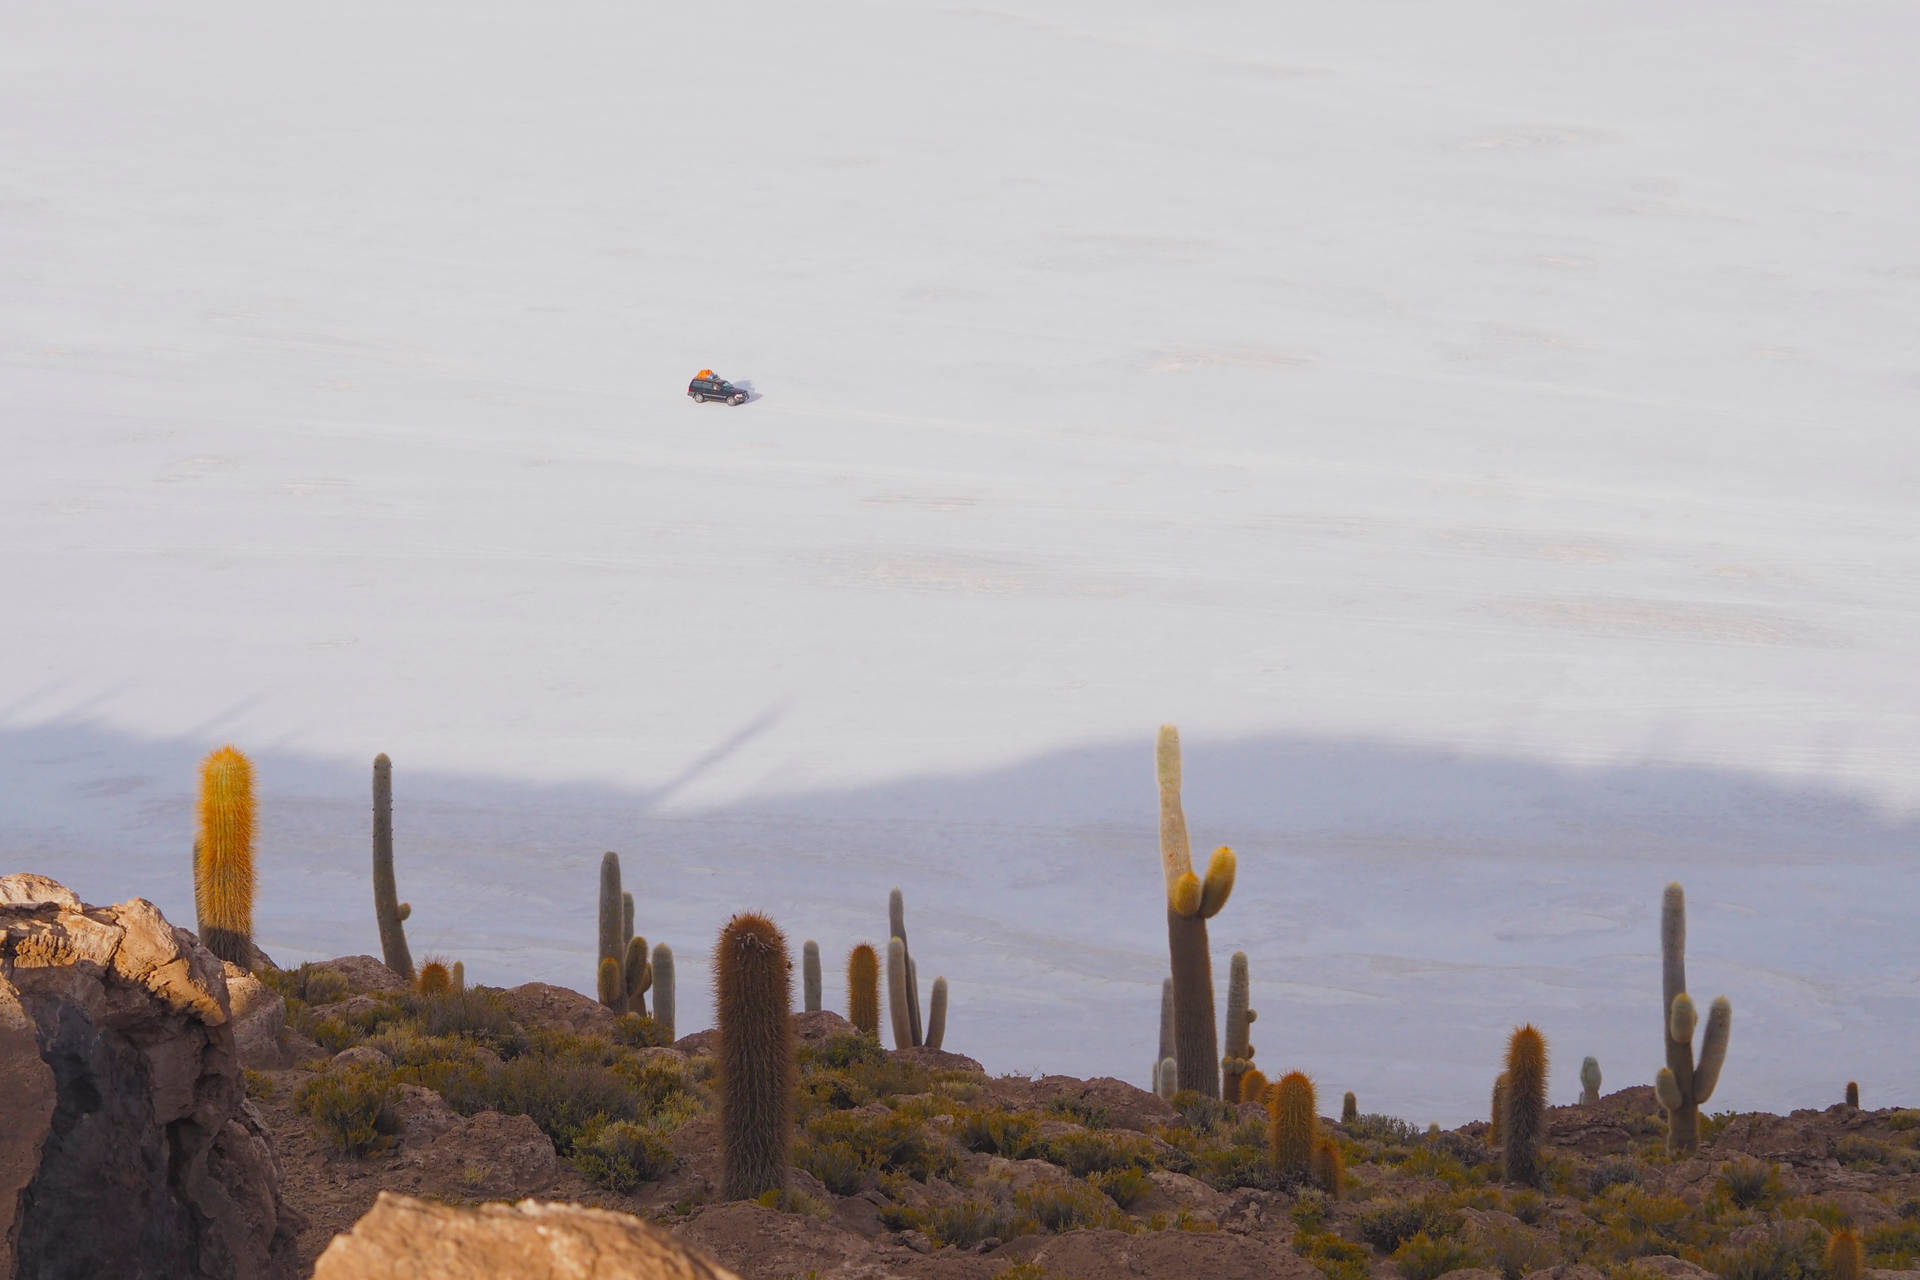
(863, 990)
(1524, 1118)
(433, 979)
(1293, 1124)
(1329, 1166)
(1846, 1260)
(223, 872)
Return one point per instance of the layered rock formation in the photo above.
(128, 1148)
(401, 1236)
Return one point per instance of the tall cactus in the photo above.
(223, 875)
(1253, 1086)
(1589, 1080)
(898, 986)
(613, 942)
(754, 1004)
(388, 911)
(810, 974)
(1525, 1118)
(663, 1009)
(1191, 902)
(1349, 1108)
(897, 928)
(1293, 1125)
(937, 1014)
(1684, 1084)
(1239, 1059)
(1497, 1121)
(863, 990)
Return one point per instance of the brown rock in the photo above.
(486, 1156)
(401, 1236)
(365, 974)
(820, 1025)
(423, 1114)
(1568, 1271)
(938, 1059)
(150, 1163)
(259, 1021)
(361, 1055)
(1665, 1264)
(539, 1004)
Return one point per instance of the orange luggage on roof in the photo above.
(704, 373)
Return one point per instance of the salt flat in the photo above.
(1487, 435)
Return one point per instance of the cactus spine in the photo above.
(663, 1010)
(1293, 1124)
(613, 942)
(388, 910)
(1525, 1121)
(1191, 902)
(897, 1007)
(1349, 1108)
(223, 876)
(636, 975)
(897, 928)
(810, 971)
(937, 1014)
(1239, 1059)
(1684, 1084)
(1497, 1122)
(863, 990)
(434, 980)
(1589, 1081)
(1846, 1260)
(754, 1003)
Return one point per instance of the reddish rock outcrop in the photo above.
(401, 1236)
(129, 1148)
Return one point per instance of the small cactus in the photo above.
(1293, 1125)
(863, 990)
(1525, 1121)
(613, 942)
(1329, 1166)
(1846, 1260)
(1166, 1079)
(434, 980)
(388, 911)
(1240, 1018)
(1589, 1081)
(1853, 1095)
(1349, 1108)
(898, 986)
(223, 874)
(754, 1003)
(663, 1009)
(1497, 1122)
(1254, 1086)
(459, 976)
(937, 1014)
(1684, 1084)
(810, 975)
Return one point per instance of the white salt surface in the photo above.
(1488, 434)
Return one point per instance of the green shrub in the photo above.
(259, 1083)
(834, 1089)
(968, 1222)
(1335, 1258)
(477, 1012)
(1378, 1128)
(1203, 1114)
(640, 1031)
(1516, 1252)
(1895, 1246)
(1125, 1186)
(352, 1109)
(1903, 1119)
(1000, 1133)
(1065, 1206)
(887, 1142)
(620, 1155)
(1227, 1168)
(1616, 1172)
(1083, 1153)
(841, 1052)
(1749, 1184)
(1859, 1152)
(1528, 1206)
(1392, 1225)
(1425, 1257)
(331, 1034)
(1082, 1111)
(1787, 1252)
(836, 1164)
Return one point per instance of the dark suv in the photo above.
(702, 389)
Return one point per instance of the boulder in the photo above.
(129, 1148)
(365, 974)
(259, 1021)
(1216, 1255)
(401, 1236)
(485, 1156)
(540, 1004)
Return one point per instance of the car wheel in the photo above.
(739, 400)
(695, 397)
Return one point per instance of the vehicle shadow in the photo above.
(746, 385)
